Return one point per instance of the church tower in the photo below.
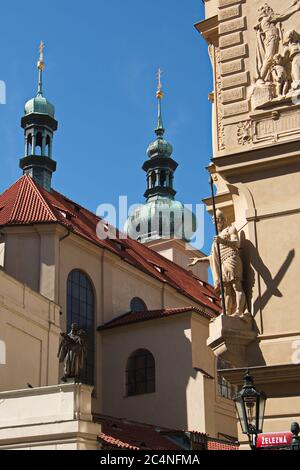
(163, 223)
(160, 167)
(39, 126)
(162, 217)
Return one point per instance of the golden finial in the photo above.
(41, 64)
(159, 93)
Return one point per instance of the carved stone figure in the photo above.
(269, 34)
(292, 53)
(280, 76)
(232, 267)
(72, 351)
(244, 132)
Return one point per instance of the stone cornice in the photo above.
(264, 374)
(209, 28)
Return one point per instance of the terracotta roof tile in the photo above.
(137, 317)
(133, 436)
(214, 444)
(27, 203)
(127, 435)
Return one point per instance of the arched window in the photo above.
(153, 179)
(48, 146)
(140, 373)
(137, 305)
(81, 310)
(29, 145)
(163, 178)
(38, 144)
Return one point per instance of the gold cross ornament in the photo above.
(159, 93)
(41, 64)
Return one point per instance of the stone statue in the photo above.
(232, 267)
(280, 76)
(268, 36)
(292, 54)
(72, 351)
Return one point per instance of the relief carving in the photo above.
(277, 57)
(244, 132)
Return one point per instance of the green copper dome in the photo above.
(160, 148)
(39, 105)
(161, 218)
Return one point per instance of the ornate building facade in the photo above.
(254, 49)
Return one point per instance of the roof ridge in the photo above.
(147, 315)
(27, 179)
(16, 202)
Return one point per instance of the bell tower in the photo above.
(160, 167)
(39, 126)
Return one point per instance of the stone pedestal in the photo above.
(262, 94)
(48, 418)
(230, 336)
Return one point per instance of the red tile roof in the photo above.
(136, 317)
(214, 444)
(126, 435)
(133, 436)
(26, 203)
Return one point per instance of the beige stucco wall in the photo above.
(56, 253)
(29, 334)
(219, 412)
(166, 340)
(48, 418)
(181, 253)
(271, 246)
(184, 397)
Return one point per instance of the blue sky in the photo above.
(101, 60)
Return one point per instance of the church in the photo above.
(145, 314)
(164, 356)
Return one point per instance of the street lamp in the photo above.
(250, 406)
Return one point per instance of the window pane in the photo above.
(81, 310)
(140, 373)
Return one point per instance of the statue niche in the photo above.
(277, 58)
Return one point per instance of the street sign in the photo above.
(274, 439)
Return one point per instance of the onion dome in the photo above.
(162, 216)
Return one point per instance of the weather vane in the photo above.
(159, 93)
(41, 63)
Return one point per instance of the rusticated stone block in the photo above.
(234, 66)
(235, 80)
(226, 3)
(229, 13)
(233, 53)
(236, 94)
(235, 108)
(232, 25)
(231, 40)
